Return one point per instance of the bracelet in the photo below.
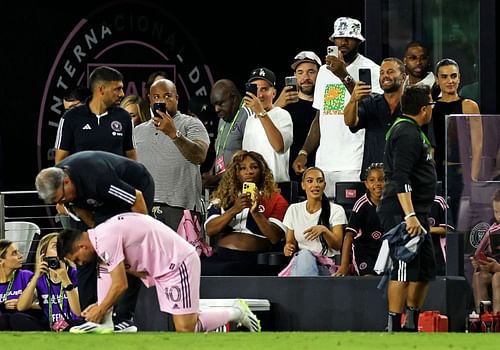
(410, 215)
(303, 153)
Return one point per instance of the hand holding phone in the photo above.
(481, 257)
(292, 81)
(160, 106)
(249, 187)
(332, 51)
(249, 87)
(365, 76)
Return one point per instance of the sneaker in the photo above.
(125, 327)
(91, 327)
(247, 318)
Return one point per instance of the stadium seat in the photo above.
(347, 193)
(22, 234)
(289, 190)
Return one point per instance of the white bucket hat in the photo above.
(346, 27)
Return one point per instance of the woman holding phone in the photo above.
(244, 227)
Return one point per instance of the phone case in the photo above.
(249, 187)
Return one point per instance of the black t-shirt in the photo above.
(81, 130)
(106, 183)
(408, 167)
(303, 114)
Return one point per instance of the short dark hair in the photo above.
(417, 43)
(152, 77)
(80, 93)
(103, 74)
(414, 98)
(400, 63)
(66, 241)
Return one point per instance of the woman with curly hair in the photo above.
(244, 224)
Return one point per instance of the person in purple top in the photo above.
(13, 280)
(54, 284)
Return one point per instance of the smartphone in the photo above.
(160, 106)
(249, 187)
(249, 87)
(292, 81)
(480, 256)
(52, 262)
(332, 51)
(365, 75)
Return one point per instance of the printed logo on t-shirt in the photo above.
(334, 99)
(376, 235)
(117, 128)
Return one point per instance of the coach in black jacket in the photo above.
(408, 196)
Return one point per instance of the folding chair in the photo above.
(21, 233)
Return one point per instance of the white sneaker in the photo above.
(91, 327)
(247, 318)
(125, 327)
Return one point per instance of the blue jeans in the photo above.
(305, 264)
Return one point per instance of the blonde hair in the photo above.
(143, 106)
(43, 244)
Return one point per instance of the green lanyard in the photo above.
(221, 131)
(57, 301)
(411, 121)
(9, 287)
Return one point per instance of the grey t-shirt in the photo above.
(177, 180)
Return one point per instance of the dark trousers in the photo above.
(124, 309)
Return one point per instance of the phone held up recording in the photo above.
(365, 76)
(249, 87)
(332, 51)
(160, 106)
(249, 187)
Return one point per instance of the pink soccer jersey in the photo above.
(142, 242)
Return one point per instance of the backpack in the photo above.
(190, 229)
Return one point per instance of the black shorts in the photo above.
(423, 267)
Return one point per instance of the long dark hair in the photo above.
(324, 216)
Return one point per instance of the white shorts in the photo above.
(179, 291)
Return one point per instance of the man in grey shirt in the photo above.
(172, 146)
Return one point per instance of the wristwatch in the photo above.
(69, 287)
(262, 114)
(348, 79)
(178, 134)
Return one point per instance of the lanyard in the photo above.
(9, 287)
(221, 131)
(57, 301)
(422, 134)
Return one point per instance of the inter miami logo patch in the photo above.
(136, 38)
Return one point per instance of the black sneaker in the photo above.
(125, 327)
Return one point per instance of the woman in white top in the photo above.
(315, 229)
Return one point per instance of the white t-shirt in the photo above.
(255, 139)
(142, 242)
(340, 149)
(298, 219)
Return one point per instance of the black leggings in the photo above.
(20, 321)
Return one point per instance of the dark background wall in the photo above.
(231, 45)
